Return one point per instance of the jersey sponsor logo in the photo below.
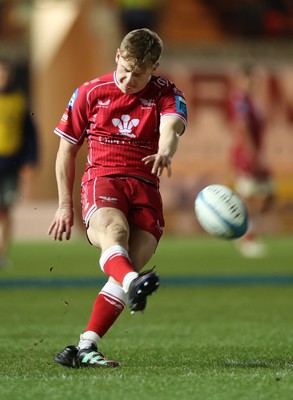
(161, 82)
(125, 125)
(72, 100)
(103, 103)
(65, 118)
(147, 103)
(181, 105)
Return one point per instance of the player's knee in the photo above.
(117, 231)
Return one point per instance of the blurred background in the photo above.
(59, 44)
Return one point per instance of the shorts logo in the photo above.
(125, 125)
(108, 199)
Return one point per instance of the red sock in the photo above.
(115, 262)
(107, 307)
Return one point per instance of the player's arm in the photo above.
(170, 130)
(65, 174)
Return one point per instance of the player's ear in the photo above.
(156, 66)
(118, 55)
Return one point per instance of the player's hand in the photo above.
(158, 163)
(62, 223)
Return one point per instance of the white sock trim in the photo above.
(128, 278)
(115, 292)
(88, 338)
(115, 250)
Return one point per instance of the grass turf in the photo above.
(174, 257)
(205, 342)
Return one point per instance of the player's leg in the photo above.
(250, 244)
(142, 245)
(8, 191)
(110, 303)
(112, 202)
(5, 235)
(112, 299)
(108, 229)
(146, 228)
(106, 203)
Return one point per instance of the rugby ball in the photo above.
(221, 212)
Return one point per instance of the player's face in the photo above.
(132, 80)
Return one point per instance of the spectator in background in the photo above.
(18, 151)
(135, 14)
(278, 18)
(249, 18)
(253, 180)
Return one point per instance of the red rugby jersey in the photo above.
(120, 129)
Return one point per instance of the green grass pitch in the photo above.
(206, 340)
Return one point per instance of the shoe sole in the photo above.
(109, 364)
(145, 289)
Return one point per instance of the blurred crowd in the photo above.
(254, 18)
(243, 18)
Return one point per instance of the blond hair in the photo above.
(141, 47)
